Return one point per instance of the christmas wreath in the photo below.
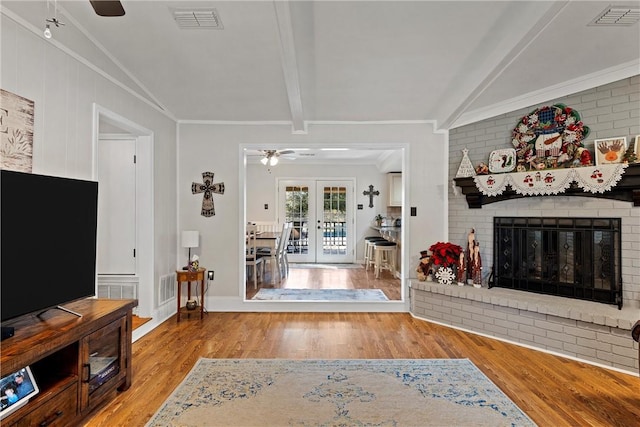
(549, 136)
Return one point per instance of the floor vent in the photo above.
(167, 289)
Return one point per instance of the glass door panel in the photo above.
(334, 223)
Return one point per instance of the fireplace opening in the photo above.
(569, 257)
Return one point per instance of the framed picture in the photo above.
(636, 148)
(610, 150)
(16, 132)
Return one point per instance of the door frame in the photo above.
(401, 305)
(144, 198)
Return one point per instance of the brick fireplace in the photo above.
(586, 330)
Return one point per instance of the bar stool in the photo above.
(384, 257)
(368, 249)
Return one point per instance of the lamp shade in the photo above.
(190, 239)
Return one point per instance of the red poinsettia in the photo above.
(445, 254)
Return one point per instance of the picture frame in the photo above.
(609, 150)
(636, 148)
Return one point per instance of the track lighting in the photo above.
(47, 32)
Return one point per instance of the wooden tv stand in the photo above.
(61, 349)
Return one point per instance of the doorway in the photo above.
(108, 122)
(321, 211)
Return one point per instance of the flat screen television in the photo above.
(48, 241)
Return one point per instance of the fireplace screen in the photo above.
(569, 257)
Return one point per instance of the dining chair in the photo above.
(253, 258)
(279, 253)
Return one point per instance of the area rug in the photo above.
(276, 392)
(267, 294)
(325, 266)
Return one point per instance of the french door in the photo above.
(322, 215)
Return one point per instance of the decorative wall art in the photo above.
(549, 137)
(371, 193)
(610, 151)
(16, 132)
(636, 149)
(208, 188)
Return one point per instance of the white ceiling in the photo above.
(304, 61)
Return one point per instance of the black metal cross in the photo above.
(371, 193)
(208, 188)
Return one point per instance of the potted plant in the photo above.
(444, 257)
(378, 218)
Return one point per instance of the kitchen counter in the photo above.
(389, 232)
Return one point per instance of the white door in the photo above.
(116, 206)
(322, 215)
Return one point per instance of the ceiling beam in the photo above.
(290, 64)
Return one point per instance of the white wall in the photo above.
(64, 89)
(217, 148)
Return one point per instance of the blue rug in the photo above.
(276, 392)
(267, 294)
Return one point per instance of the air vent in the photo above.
(617, 16)
(191, 19)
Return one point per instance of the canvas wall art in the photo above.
(16, 132)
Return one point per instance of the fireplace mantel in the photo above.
(627, 190)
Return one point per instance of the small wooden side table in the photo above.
(190, 276)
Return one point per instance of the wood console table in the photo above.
(77, 362)
(190, 276)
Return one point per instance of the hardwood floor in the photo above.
(325, 278)
(553, 391)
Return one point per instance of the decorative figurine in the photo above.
(461, 274)
(476, 266)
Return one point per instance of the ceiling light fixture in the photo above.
(47, 29)
(270, 158)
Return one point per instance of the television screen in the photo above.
(48, 241)
(15, 390)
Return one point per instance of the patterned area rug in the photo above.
(267, 294)
(325, 266)
(276, 392)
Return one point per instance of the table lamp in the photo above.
(190, 239)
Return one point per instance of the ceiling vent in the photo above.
(617, 16)
(197, 19)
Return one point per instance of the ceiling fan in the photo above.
(107, 7)
(271, 156)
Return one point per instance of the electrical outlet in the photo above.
(210, 274)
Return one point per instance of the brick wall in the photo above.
(612, 110)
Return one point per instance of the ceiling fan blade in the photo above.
(107, 7)
(286, 152)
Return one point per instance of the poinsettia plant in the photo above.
(445, 253)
